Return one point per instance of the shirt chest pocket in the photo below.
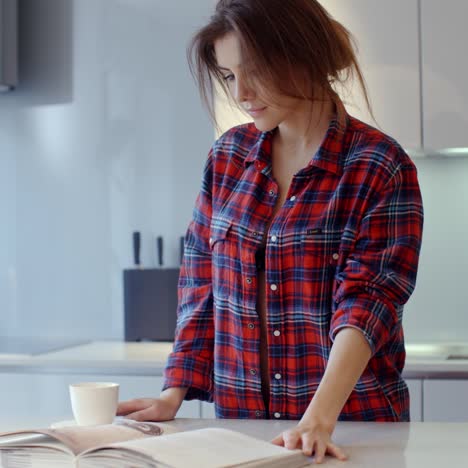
(320, 248)
(318, 254)
(218, 233)
(223, 255)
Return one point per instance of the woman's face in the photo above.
(266, 116)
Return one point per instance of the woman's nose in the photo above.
(241, 91)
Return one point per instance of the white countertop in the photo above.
(148, 358)
(367, 444)
(371, 445)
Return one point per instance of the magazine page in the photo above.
(36, 457)
(110, 458)
(29, 439)
(76, 439)
(203, 448)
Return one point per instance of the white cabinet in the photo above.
(444, 71)
(445, 400)
(414, 386)
(388, 42)
(46, 395)
(207, 410)
(415, 391)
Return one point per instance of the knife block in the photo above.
(150, 303)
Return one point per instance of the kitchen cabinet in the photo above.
(444, 71)
(388, 43)
(416, 404)
(390, 64)
(46, 395)
(414, 386)
(207, 410)
(38, 385)
(445, 400)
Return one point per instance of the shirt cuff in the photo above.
(190, 372)
(373, 317)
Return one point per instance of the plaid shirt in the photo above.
(341, 252)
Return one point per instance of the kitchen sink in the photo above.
(438, 351)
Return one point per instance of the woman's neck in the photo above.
(296, 136)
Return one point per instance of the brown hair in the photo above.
(284, 40)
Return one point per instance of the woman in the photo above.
(304, 242)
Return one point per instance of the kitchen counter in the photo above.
(146, 358)
(386, 445)
(437, 385)
(115, 357)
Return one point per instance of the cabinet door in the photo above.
(415, 391)
(45, 396)
(445, 400)
(207, 410)
(388, 43)
(414, 386)
(444, 71)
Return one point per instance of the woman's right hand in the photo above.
(163, 408)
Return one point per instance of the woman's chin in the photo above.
(263, 126)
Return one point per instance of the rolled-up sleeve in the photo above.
(191, 362)
(379, 273)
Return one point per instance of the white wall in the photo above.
(8, 222)
(438, 308)
(105, 135)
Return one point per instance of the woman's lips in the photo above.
(256, 112)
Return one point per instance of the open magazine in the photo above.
(128, 443)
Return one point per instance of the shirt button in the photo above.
(258, 414)
(277, 333)
(272, 193)
(251, 326)
(335, 256)
(253, 371)
(293, 198)
(277, 376)
(273, 238)
(277, 415)
(211, 240)
(248, 280)
(273, 287)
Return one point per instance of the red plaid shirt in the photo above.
(341, 252)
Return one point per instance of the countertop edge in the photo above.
(131, 358)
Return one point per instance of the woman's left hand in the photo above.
(313, 438)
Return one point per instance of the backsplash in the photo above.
(438, 308)
(107, 135)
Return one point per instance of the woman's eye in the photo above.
(228, 77)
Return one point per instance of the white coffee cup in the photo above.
(94, 403)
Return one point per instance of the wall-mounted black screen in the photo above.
(8, 44)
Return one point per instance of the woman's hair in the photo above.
(292, 47)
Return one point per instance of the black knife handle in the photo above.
(159, 241)
(181, 249)
(136, 247)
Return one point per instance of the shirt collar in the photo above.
(328, 157)
(261, 149)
